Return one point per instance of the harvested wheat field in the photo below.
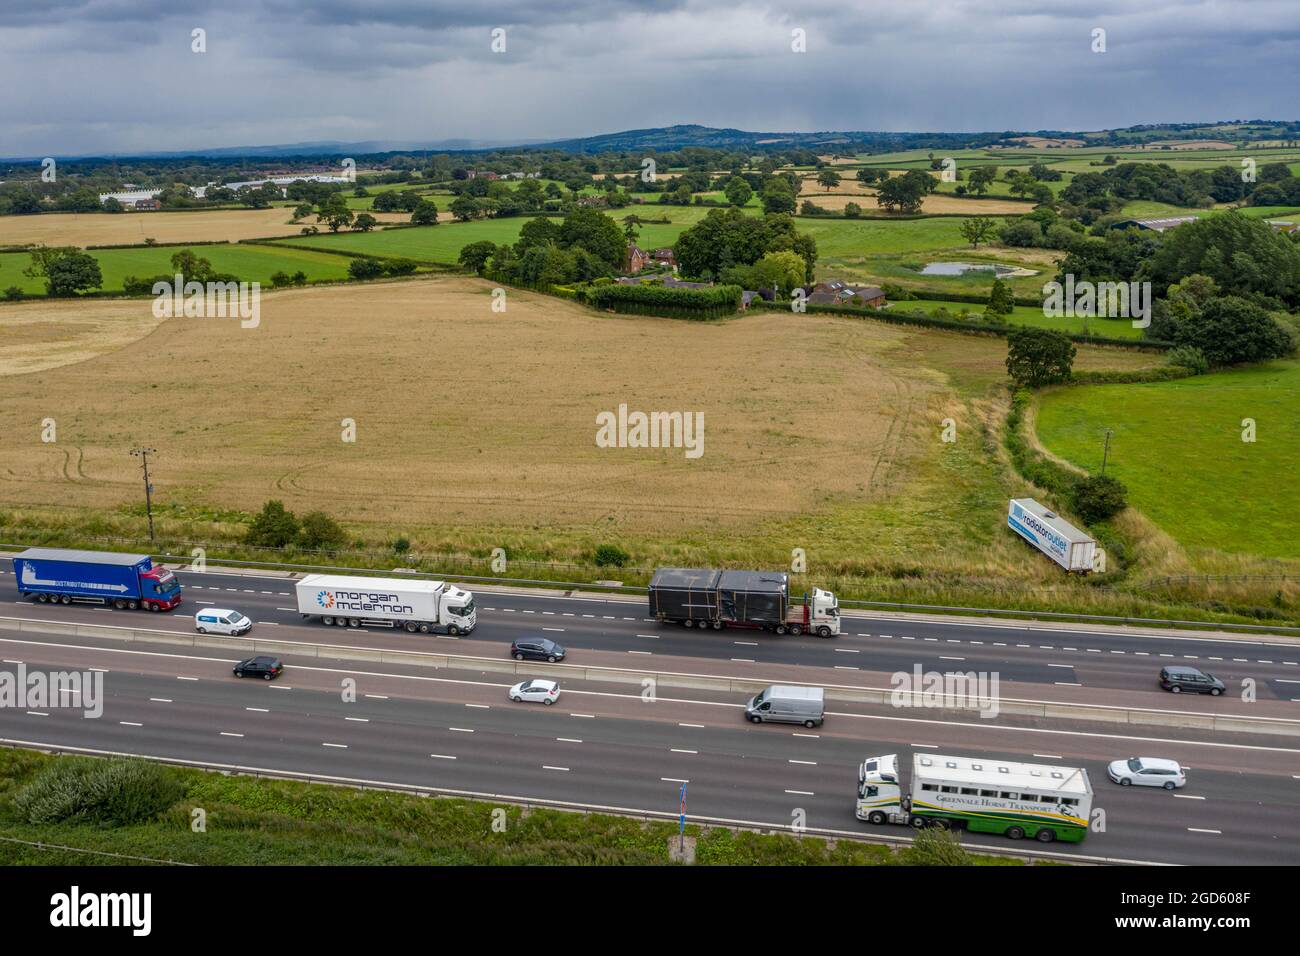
(108, 229)
(462, 415)
(932, 204)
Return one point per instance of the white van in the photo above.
(785, 704)
(217, 620)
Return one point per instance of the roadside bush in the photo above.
(320, 532)
(934, 847)
(273, 527)
(13, 293)
(1189, 357)
(113, 793)
(402, 545)
(611, 555)
(1098, 497)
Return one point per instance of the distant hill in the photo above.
(671, 138)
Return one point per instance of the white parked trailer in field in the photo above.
(1053, 535)
(415, 605)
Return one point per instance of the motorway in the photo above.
(604, 745)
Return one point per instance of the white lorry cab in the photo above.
(413, 604)
(980, 794)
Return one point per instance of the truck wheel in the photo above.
(341, 621)
(328, 621)
(756, 719)
(424, 628)
(795, 630)
(66, 599)
(153, 607)
(132, 605)
(780, 629)
(688, 623)
(823, 631)
(1015, 833)
(354, 622)
(412, 627)
(917, 823)
(453, 630)
(119, 603)
(42, 598)
(876, 817)
(1045, 835)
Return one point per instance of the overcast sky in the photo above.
(116, 76)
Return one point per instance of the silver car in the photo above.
(546, 691)
(1147, 772)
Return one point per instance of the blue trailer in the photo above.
(62, 576)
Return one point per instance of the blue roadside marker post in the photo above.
(681, 823)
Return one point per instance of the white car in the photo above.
(547, 691)
(1147, 772)
(219, 620)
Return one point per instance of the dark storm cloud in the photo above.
(118, 75)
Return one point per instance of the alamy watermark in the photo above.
(22, 689)
(971, 690)
(624, 429)
(1102, 300)
(209, 300)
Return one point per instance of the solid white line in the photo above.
(462, 730)
(377, 696)
(640, 652)
(129, 723)
(691, 725)
(546, 767)
(678, 751)
(186, 678)
(813, 736)
(568, 740)
(360, 720)
(942, 658)
(1199, 830)
(1187, 796)
(339, 746)
(802, 793)
(260, 710)
(1050, 756)
(809, 763)
(161, 700)
(588, 716)
(479, 706)
(552, 629)
(227, 733)
(673, 780)
(441, 757)
(37, 713)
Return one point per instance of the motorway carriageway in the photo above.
(605, 746)
(1093, 666)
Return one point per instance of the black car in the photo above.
(536, 649)
(1178, 679)
(267, 668)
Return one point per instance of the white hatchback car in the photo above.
(547, 691)
(217, 620)
(1147, 772)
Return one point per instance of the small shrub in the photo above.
(111, 793)
(611, 555)
(1188, 357)
(13, 293)
(935, 847)
(1098, 497)
(402, 545)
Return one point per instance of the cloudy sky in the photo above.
(115, 76)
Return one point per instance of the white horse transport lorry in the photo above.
(980, 794)
(423, 606)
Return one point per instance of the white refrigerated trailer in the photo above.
(1053, 535)
(423, 606)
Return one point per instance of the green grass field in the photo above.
(1028, 315)
(1178, 446)
(251, 263)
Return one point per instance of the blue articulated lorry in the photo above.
(127, 581)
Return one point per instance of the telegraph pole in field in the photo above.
(1105, 452)
(143, 454)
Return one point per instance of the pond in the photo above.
(961, 268)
